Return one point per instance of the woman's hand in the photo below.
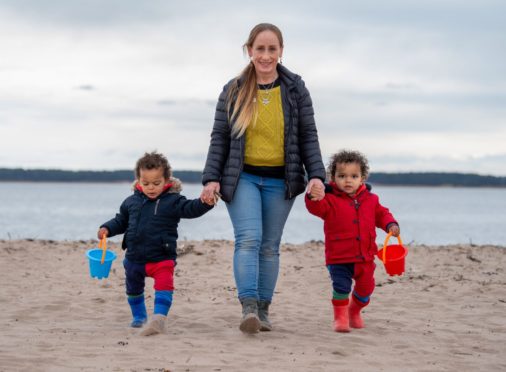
(316, 189)
(210, 190)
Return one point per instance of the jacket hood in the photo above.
(331, 185)
(286, 76)
(337, 191)
(175, 186)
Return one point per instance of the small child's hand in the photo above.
(102, 233)
(212, 201)
(394, 230)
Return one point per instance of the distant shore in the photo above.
(188, 176)
(446, 313)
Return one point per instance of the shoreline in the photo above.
(405, 178)
(117, 244)
(374, 184)
(445, 313)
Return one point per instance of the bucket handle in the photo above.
(103, 244)
(384, 258)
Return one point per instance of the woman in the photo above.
(263, 140)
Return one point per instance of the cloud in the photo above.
(86, 87)
(105, 81)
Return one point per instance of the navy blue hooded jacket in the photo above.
(150, 226)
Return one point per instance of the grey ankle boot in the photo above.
(263, 314)
(250, 322)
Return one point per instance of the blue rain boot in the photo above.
(138, 308)
(163, 302)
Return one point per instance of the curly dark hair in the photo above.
(153, 160)
(348, 156)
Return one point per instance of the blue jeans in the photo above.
(258, 213)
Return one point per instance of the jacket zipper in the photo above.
(156, 206)
(290, 118)
(241, 166)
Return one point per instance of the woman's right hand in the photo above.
(102, 233)
(209, 191)
(316, 189)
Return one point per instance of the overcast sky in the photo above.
(415, 85)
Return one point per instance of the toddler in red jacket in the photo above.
(351, 214)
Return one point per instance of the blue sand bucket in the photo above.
(97, 269)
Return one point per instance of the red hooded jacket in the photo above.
(350, 224)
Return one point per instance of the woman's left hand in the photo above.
(209, 193)
(316, 188)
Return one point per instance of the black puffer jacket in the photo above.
(225, 157)
(150, 226)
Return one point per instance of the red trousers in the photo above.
(162, 272)
(361, 272)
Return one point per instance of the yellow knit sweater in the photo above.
(265, 137)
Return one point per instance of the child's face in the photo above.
(152, 182)
(348, 177)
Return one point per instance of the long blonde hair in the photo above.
(244, 108)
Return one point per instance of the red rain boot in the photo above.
(341, 319)
(354, 312)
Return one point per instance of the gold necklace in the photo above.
(265, 94)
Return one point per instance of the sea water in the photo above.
(427, 215)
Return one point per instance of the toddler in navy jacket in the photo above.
(351, 214)
(149, 219)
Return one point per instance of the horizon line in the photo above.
(194, 170)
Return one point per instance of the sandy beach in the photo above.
(447, 313)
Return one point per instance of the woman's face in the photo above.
(265, 54)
